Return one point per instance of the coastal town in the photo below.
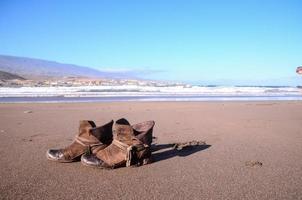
(81, 81)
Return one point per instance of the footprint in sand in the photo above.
(31, 138)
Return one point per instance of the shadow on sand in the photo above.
(166, 151)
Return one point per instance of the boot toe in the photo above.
(91, 160)
(55, 155)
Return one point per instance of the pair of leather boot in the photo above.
(109, 146)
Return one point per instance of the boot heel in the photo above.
(146, 161)
(142, 162)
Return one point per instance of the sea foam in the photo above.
(136, 91)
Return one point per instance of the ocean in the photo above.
(148, 93)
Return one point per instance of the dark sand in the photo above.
(241, 136)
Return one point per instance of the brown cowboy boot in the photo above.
(89, 138)
(126, 148)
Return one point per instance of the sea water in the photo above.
(148, 93)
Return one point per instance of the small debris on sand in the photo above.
(27, 140)
(183, 145)
(154, 138)
(253, 163)
(28, 111)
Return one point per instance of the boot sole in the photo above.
(146, 161)
(96, 167)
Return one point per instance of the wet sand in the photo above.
(254, 151)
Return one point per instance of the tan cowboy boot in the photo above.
(89, 138)
(126, 149)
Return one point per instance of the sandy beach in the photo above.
(240, 136)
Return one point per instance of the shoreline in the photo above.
(147, 99)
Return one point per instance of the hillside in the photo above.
(37, 68)
(9, 76)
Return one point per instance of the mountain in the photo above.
(9, 76)
(37, 68)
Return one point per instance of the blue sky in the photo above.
(205, 42)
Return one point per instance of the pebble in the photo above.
(28, 111)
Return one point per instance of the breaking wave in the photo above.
(137, 91)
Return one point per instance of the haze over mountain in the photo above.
(37, 68)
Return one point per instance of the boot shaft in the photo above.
(103, 133)
(85, 126)
(84, 137)
(105, 136)
(144, 131)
